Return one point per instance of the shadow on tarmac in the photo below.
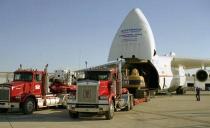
(48, 115)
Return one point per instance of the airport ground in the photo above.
(160, 112)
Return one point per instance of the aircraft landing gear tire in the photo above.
(180, 91)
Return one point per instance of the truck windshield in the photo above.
(23, 76)
(97, 75)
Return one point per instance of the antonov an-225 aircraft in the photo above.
(134, 38)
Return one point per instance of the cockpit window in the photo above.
(23, 76)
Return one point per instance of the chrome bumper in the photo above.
(79, 107)
(9, 105)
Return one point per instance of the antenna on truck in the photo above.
(86, 64)
(46, 66)
(21, 67)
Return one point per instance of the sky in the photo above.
(66, 33)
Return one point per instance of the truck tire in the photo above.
(64, 104)
(128, 107)
(73, 115)
(131, 102)
(3, 110)
(28, 106)
(110, 113)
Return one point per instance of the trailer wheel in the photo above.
(3, 110)
(110, 113)
(73, 115)
(28, 106)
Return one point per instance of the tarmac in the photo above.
(160, 112)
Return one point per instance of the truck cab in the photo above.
(27, 82)
(30, 90)
(22, 92)
(97, 93)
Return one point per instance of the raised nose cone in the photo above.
(134, 38)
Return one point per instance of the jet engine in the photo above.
(202, 75)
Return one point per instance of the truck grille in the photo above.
(87, 106)
(87, 92)
(4, 93)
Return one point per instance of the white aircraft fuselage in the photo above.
(134, 38)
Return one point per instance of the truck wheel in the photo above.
(110, 113)
(131, 103)
(128, 107)
(3, 110)
(64, 104)
(28, 106)
(73, 115)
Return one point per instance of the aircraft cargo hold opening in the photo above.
(145, 69)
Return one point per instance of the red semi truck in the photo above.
(29, 91)
(96, 93)
(113, 86)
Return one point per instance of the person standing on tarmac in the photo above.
(197, 89)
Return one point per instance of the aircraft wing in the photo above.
(190, 63)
